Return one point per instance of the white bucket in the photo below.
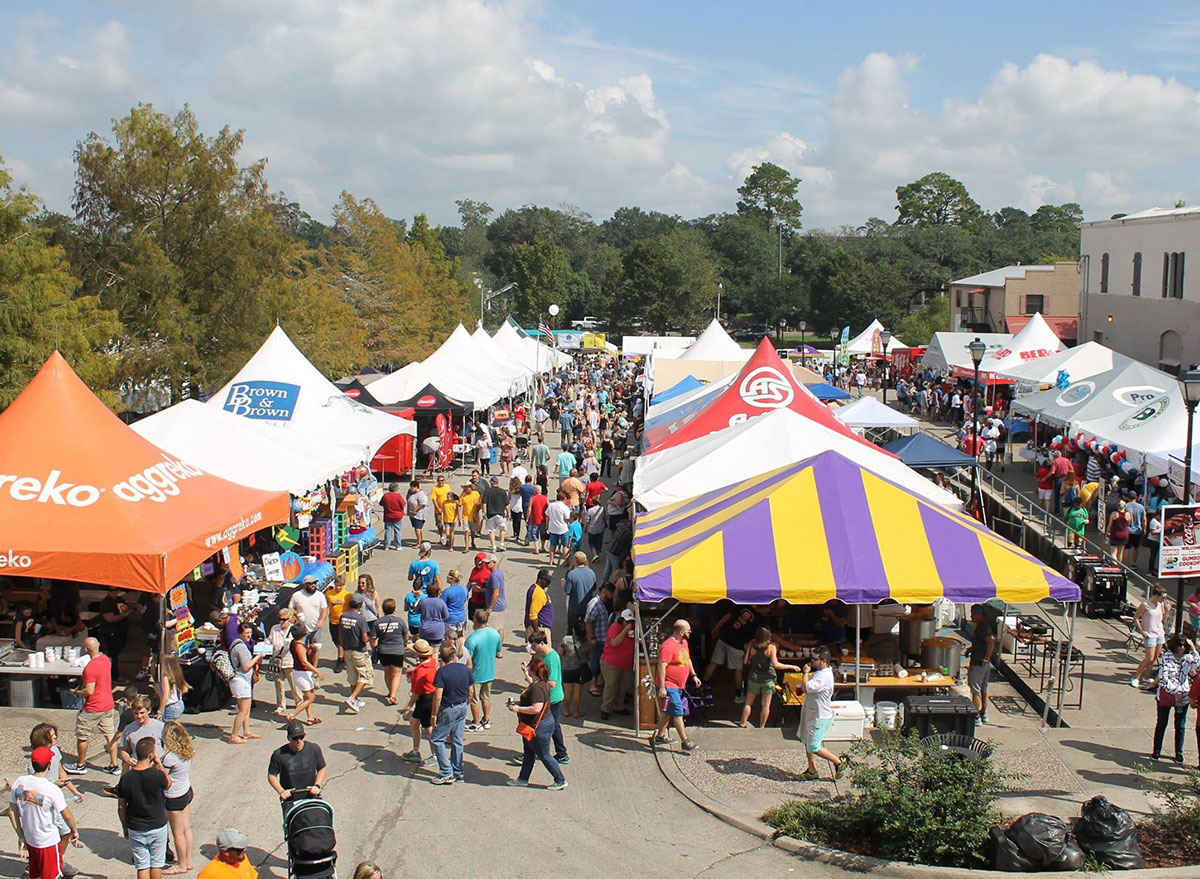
(869, 719)
(887, 715)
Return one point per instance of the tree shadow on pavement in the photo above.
(750, 766)
(1128, 759)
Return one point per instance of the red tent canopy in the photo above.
(764, 384)
(83, 497)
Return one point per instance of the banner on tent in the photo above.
(265, 400)
(594, 340)
(1179, 555)
(446, 440)
(568, 340)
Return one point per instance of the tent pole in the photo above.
(1064, 670)
(857, 653)
(637, 668)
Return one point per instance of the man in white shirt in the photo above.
(558, 517)
(34, 804)
(311, 606)
(817, 716)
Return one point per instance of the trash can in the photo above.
(930, 715)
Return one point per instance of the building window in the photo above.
(1137, 274)
(1166, 274)
(1177, 275)
(1034, 303)
(1098, 336)
(1104, 273)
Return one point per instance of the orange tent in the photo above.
(83, 497)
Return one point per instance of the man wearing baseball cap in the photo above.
(34, 803)
(231, 861)
(495, 507)
(297, 769)
(357, 640)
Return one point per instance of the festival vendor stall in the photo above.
(1035, 341)
(1067, 366)
(827, 528)
(665, 411)
(688, 383)
(357, 391)
(428, 405)
(926, 452)
(527, 350)
(827, 393)
(499, 362)
(948, 351)
(282, 396)
(869, 342)
(757, 445)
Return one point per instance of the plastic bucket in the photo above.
(887, 715)
(869, 715)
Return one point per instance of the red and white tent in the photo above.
(763, 385)
(1036, 340)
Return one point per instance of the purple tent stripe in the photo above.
(958, 557)
(749, 542)
(651, 558)
(706, 507)
(1060, 587)
(849, 531)
(654, 587)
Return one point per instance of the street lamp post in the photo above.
(803, 342)
(720, 290)
(885, 339)
(1189, 382)
(977, 349)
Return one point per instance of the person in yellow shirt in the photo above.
(468, 508)
(450, 512)
(231, 861)
(437, 500)
(337, 595)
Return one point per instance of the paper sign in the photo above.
(272, 567)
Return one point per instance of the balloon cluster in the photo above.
(1115, 455)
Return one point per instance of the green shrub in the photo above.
(911, 803)
(1177, 814)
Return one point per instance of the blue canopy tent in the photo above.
(827, 393)
(922, 450)
(689, 383)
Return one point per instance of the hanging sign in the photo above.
(1179, 554)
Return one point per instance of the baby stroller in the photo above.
(308, 829)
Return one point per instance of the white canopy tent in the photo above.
(664, 346)
(279, 394)
(757, 446)
(1084, 361)
(1120, 391)
(947, 351)
(861, 344)
(716, 344)
(461, 358)
(224, 445)
(408, 381)
(867, 412)
(495, 353)
(1036, 340)
(528, 350)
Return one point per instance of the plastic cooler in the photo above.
(849, 720)
(930, 715)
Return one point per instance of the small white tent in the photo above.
(868, 412)
(863, 343)
(528, 350)
(1036, 340)
(756, 446)
(224, 445)
(1084, 361)
(282, 396)
(715, 344)
(948, 351)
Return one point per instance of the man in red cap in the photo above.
(34, 805)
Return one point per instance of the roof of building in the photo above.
(998, 277)
(1151, 214)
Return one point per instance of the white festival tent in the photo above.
(867, 412)
(280, 395)
(947, 351)
(860, 345)
(461, 358)
(1036, 340)
(224, 445)
(495, 354)
(528, 350)
(662, 346)
(456, 369)
(1083, 361)
(757, 446)
(1121, 391)
(715, 344)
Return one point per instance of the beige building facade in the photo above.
(1003, 300)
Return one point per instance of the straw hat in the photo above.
(421, 647)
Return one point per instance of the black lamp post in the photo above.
(1189, 383)
(885, 339)
(803, 345)
(977, 349)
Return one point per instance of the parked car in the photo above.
(585, 323)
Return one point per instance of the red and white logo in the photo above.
(353, 393)
(766, 388)
(426, 401)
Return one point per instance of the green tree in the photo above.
(769, 192)
(40, 306)
(542, 272)
(936, 199)
(629, 225)
(918, 328)
(670, 282)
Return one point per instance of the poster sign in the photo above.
(594, 340)
(446, 437)
(1179, 555)
(264, 400)
(272, 567)
(1101, 508)
(185, 634)
(568, 340)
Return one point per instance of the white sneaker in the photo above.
(361, 703)
(1135, 683)
(351, 705)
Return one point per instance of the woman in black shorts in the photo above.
(177, 760)
(392, 630)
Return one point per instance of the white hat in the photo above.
(627, 614)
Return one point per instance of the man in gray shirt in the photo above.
(1135, 512)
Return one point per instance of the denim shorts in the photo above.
(674, 702)
(149, 847)
(1152, 641)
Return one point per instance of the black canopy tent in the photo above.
(356, 390)
(429, 400)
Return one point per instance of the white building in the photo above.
(1135, 295)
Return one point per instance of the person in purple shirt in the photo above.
(455, 597)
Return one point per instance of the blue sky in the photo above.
(664, 105)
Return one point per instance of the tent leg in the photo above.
(637, 669)
(1064, 666)
(857, 654)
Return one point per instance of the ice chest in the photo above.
(930, 715)
(849, 720)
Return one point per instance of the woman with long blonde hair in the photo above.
(171, 687)
(177, 761)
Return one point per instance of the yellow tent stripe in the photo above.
(1018, 580)
(900, 535)
(699, 574)
(801, 551)
(650, 523)
(709, 522)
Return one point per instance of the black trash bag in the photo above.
(1070, 859)
(1109, 834)
(1007, 855)
(1041, 837)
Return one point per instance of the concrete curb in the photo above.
(853, 863)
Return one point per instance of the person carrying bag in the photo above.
(536, 736)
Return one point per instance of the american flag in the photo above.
(542, 328)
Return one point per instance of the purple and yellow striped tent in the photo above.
(827, 528)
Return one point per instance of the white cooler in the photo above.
(849, 719)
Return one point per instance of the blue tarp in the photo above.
(715, 388)
(689, 383)
(826, 392)
(922, 450)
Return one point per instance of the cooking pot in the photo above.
(913, 631)
(942, 653)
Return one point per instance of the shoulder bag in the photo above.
(527, 732)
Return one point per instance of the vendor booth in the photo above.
(948, 351)
(527, 350)
(685, 384)
(1067, 366)
(870, 342)
(827, 393)
(926, 452)
(520, 374)
(1035, 341)
(868, 413)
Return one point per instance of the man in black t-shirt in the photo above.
(357, 640)
(730, 635)
(983, 646)
(142, 791)
(113, 628)
(297, 768)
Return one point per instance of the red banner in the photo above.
(446, 440)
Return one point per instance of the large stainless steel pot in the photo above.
(942, 653)
(912, 632)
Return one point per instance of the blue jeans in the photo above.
(539, 749)
(451, 723)
(560, 747)
(149, 847)
(594, 660)
(391, 532)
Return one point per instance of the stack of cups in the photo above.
(36, 660)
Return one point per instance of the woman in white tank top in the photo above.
(1149, 621)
